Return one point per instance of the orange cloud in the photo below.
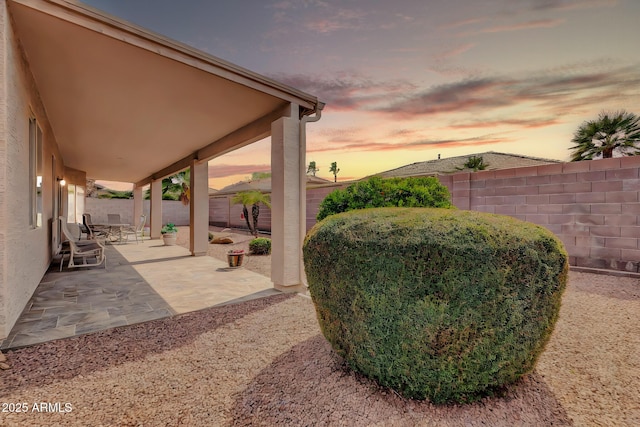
(222, 171)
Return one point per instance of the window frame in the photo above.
(36, 184)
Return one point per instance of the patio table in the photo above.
(113, 232)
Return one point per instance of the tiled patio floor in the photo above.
(142, 282)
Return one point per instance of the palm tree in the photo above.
(252, 198)
(312, 168)
(176, 187)
(612, 132)
(335, 170)
(476, 163)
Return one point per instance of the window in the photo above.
(35, 174)
(75, 203)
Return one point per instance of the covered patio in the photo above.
(142, 282)
(112, 101)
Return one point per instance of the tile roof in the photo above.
(450, 165)
(263, 185)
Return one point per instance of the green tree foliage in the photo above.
(251, 198)
(476, 163)
(443, 304)
(259, 175)
(334, 169)
(116, 194)
(611, 132)
(260, 246)
(377, 192)
(312, 169)
(176, 187)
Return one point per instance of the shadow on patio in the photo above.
(142, 282)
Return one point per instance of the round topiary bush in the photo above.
(376, 192)
(260, 246)
(435, 303)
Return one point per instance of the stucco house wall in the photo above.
(25, 253)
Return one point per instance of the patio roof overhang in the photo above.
(129, 105)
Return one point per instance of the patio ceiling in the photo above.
(126, 105)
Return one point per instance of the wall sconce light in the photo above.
(61, 181)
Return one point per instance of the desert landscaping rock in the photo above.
(264, 363)
(221, 241)
(4, 366)
(3, 358)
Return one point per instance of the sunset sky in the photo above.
(406, 80)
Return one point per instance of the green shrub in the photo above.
(435, 303)
(377, 193)
(169, 228)
(260, 246)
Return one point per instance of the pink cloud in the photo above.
(456, 51)
(222, 171)
(347, 90)
(343, 19)
(463, 23)
(549, 89)
(524, 123)
(346, 144)
(571, 4)
(541, 23)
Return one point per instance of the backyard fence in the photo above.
(592, 206)
(172, 211)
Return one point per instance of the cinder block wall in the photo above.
(592, 206)
(315, 196)
(172, 211)
(224, 213)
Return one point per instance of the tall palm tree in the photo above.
(252, 198)
(335, 170)
(612, 132)
(312, 168)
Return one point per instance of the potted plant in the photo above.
(235, 257)
(169, 234)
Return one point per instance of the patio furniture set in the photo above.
(90, 251)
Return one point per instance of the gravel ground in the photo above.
(260, 264)
(264, 362)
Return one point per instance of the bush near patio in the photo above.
(377, 193)
(435, 303)
(260, 246)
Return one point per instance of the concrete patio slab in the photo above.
(142, 282)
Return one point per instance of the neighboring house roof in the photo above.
(263, 185)
(450, 165)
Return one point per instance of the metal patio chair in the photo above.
(90, 252)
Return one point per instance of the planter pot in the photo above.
(169, 239)
(235, 260)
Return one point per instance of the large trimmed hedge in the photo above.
(435, 303)
(375, 192)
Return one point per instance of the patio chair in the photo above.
(91, 252)
(94, 229)
(135, 231)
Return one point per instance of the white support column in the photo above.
(286, 222)
(155, 213)
(137, 204)
(199, 208)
